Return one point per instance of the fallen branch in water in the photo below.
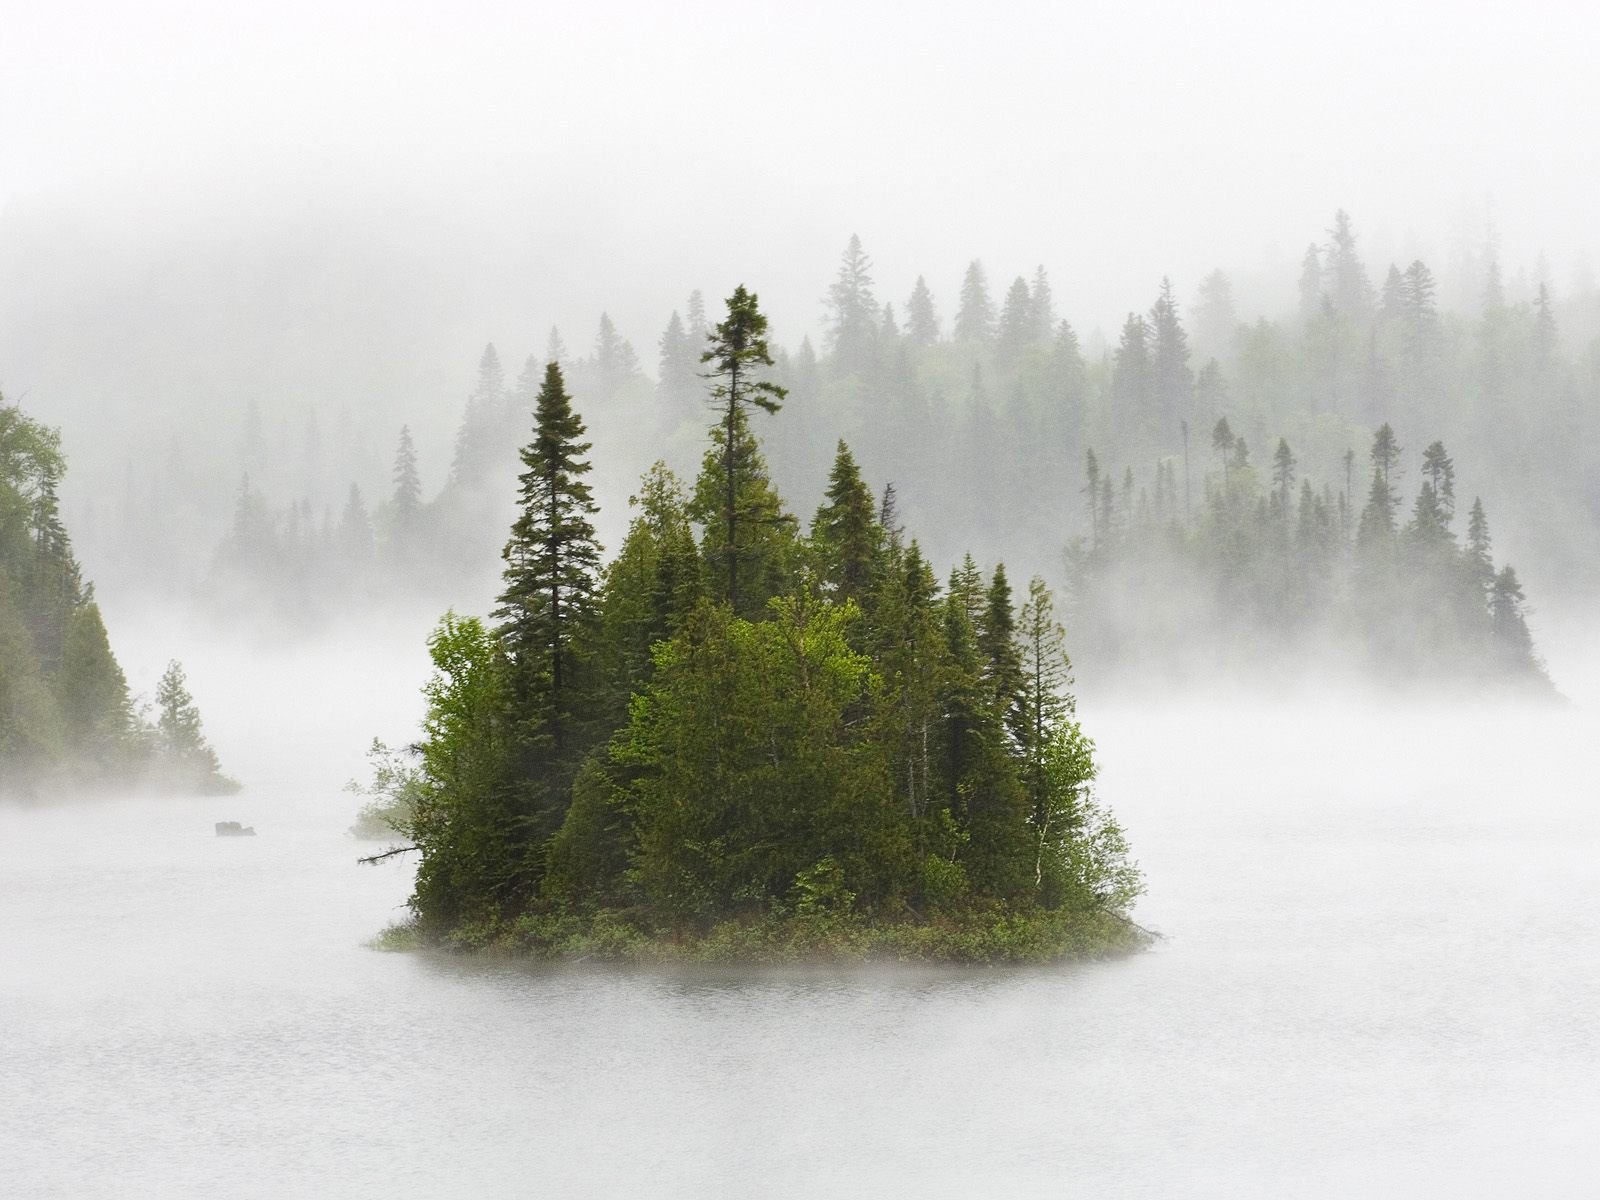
(377, 858)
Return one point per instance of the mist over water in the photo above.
(285, 280)
(1378, 973)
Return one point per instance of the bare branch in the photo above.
(390, 853)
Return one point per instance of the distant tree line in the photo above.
(983, 416)
(67, 720)
(1278, 574)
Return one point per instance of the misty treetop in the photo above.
(1279, 572)
(67, 720)
(743, 737)
(981, 404)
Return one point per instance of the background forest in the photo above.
(1232, 458)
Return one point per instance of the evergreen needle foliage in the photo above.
(736, 740)
(67, 720)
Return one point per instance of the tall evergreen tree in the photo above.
(975, 316)
(922, 319)
(1017, 328)
(547, 608)
(845, 532)
(852, 312)
(1171, 377)
(737, 351)
(477, 435)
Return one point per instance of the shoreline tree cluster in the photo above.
(1282, 571)
(744, 739)
(67, 720)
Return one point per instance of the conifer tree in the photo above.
(356, 545)
(555, 348)
(1348, 285)
(734, 498)
(852, 311)
(183, 755)
(1043, 303)
(922, 320)
(1044, 699)
(975, 316)
(845, 532)
(96, 710)
(1017, 327)
(547, 608)
(1002, 664)
(614, 364)
(407, 496)
(476, 437)
(1171, 377)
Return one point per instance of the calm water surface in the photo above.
(1380, 977)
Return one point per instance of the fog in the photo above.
(1379, 957)
(1265, 260)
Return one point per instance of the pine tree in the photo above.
(1044, 699)
(480, 423)
(678, 379)
(407, 496)
(555, 349)
(547, 609)
(1017, 327)
(975, 317)
(845, 532)
(356, 544)
(1347, 283)
(1043, 303)
(1002, 664)
(96, 711)
(1171, 377)
(922, 320)
(1283, 465)
(615, 364)
(1311, 295)
(737, 472)
(184, 758)
(852, 312)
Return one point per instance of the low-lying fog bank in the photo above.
(1381, 952)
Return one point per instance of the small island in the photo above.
(742, 741)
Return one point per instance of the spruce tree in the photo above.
(1017, 326)
(1002, 664)
(852, 312)
(1044, 699)
(922, 320)
(184, 758)
(744, 497)
(480, 422)
(547, 609)
(975, 317)
(845, 533)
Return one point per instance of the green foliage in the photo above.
(66, 716)
(183, 758)
(796, 750)
(391, 794)
(473, 839)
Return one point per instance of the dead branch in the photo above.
(390, 853)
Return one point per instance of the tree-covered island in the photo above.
(742, 740)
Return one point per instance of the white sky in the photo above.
(584, 156)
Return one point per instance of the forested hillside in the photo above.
(67, 721)
(982, 408)
(742, 737)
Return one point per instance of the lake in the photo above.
(1380, 976)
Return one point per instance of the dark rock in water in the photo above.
(234, 829)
